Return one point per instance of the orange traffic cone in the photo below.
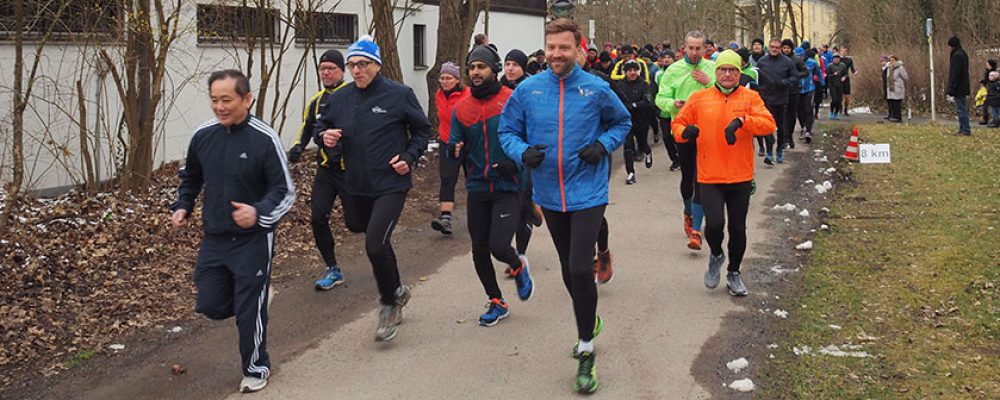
(851, 154)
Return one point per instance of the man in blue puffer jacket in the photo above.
(554, 123)
(807, 88)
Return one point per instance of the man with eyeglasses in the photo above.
(776, 74)
(382, 131)
(723, 119)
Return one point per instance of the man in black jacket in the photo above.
(958, 84)
(383, 131)
(239, 162)
(776, 74)
(794, 97)
(634, 92)
(329, 180)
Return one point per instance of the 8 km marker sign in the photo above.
(875, 154)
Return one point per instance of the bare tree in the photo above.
(385, 35)
(456, 20)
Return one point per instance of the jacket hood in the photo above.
(954, 42)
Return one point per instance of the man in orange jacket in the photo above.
(723, 119)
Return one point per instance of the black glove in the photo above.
(295, 153)
(453, 151)
(533, 156)
(593, 153)
(505, 168)
(690, 132)
(731, 130)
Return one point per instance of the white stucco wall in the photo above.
(185, 103)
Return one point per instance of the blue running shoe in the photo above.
(525, 287)
(496, 310)
(780, 159)
(330, 279)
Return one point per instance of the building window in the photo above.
(68, 20)
(325, 28)
(225, 24)
(419, 46)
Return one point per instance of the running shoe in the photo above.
(735, 284)
(694, 240)
(767, 160)
(586, 374)
(604, 271)
(522, 279)
(649, 160)
(331, 278)
(712, 274)
(688, 224)
(598, 327)
(675, 165)
(832, 115)
(656, 137)
(442, 224)
(402, 297)
(630, 179)
(385, 330)
(780, 159)
(251, 384)
(807, 137)
(509, 272)
(496, 310)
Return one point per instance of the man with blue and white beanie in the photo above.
(382, 131)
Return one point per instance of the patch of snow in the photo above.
(737, 365)
(810, 181)
(742, 385)
(860, 110)
(830, 171)
(824, 209)
(787, 207)
(804, 213)
(117, 347)
(801, 351)
(835, 327)
(772, 346)
(822, 159)
(820, 189)
(807, 245)
(781, 313)
(818, 151)
(824, 227)
(835, 351)
(175, 329)
(827, 185)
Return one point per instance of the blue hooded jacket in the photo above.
(566, 114)
(807, 84)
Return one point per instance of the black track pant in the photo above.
(724, 202)
(232, 275)
(492, 220)
(524, 227)
(778, 112)
(836, 98)
(602, 236)
(327, 185)
(639, 133)
(688, 156)
(377, 217)
(896, 109)
(791, 115)
(448, 169)
(574, 234)
(668, 138)
(818, 96)
(805, 111)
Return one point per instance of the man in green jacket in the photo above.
(681, 79)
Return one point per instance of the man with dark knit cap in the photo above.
(383, 131)
(492, 181)
(515, 67)
(329, 181)
(605, 65)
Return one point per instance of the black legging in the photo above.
(805, 111)
(639, 133)
(668, 139)
(791, 115)
(688, 155)
(448, 171)
(818, 96)
(734, 199)
(602, 236)
(836, 97)
(327, 185)
(492, 220)
(574, 234)
(377, 217)
(524, 227)
(778, 112)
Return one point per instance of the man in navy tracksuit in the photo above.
(240, 163)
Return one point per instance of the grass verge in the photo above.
(908, 274)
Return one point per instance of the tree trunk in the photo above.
(90, 182)
(791, 19)
(385, 37)
(456, 20)
(17, 173)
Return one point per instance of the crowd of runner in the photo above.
(534, 135)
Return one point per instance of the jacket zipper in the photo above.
(486, 145)
(562, 183)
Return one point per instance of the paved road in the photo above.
(658, 318)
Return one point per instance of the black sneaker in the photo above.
(675, 165)
(649, 160)
(442, 224)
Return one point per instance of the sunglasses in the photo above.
(359, 64)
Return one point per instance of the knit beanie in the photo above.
(519, 57)
(485, 55)
(605, 56)
(730, 58)
(333, 56)
(757, 40)
(788, 42)
(450, 68)
(365, 47)
(630, 64)
(954, 42)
